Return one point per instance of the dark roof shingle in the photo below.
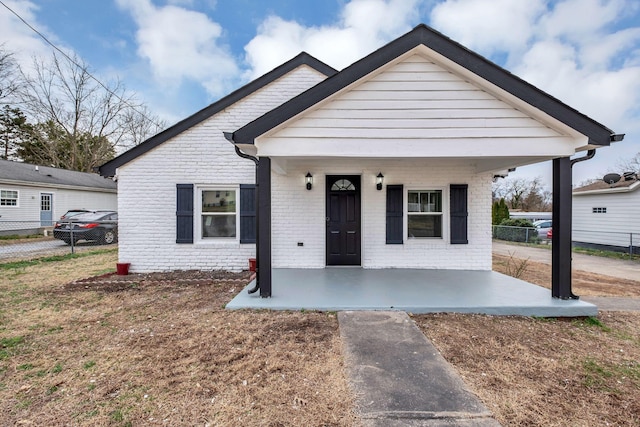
(48, 176)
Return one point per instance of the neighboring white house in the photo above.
(385, 164)
(33, 196)
(606, 215)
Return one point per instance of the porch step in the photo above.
(399, 377)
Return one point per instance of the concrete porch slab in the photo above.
(411, 290)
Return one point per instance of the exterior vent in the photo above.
(629, 176)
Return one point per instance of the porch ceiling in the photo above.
(411, 290)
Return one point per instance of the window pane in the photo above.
(218, 201)
(424, 226)
(435, 202)
(343, 185)
(218, 226)
(414, 201)
(8, 198)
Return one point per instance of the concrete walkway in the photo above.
(399, 377)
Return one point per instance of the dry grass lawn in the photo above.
(549, 372)
(160, 349)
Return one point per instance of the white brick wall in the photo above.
(200, 155)
(299, 215)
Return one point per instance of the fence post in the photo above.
(71, 237)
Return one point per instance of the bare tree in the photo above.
(524, 194)
(9, 75)
(71, 105)
(629, 165)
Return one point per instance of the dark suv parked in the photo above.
(99, 226)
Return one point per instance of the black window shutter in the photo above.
(184, 213)
(458, 211)
(394, 214)
(247, 213)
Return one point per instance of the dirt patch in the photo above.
(583, 283)
(537, 372)
(548, 372)
(160, 349)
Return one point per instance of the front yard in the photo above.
(161, 350)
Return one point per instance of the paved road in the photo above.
(624, 269)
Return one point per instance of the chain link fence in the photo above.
(21, 240)
(603, 240)
(608, 240)
(518, 234)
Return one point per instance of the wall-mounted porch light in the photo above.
(379, 180)
(309, 180)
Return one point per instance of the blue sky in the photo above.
(181, 55)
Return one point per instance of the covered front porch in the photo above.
(411, 290)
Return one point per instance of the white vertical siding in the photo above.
(611, 228)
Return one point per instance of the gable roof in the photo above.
(432, 39)
(109, 168)
(601, 187)
(19, 173)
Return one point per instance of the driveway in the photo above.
(624, 269)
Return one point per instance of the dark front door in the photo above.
(343, 220)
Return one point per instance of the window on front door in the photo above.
(424, 213)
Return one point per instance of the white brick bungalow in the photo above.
(385, 164)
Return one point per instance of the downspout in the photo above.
(229, 137)
(590, 154)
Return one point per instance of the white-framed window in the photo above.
(424, 214)
(9, 197)
(599, 210)
(218, 213)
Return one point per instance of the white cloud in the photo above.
(364, 26)
(16, 37)
(609, 96)
(182, 44)
(488, 27)
(577, 19)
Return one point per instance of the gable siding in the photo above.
(200, 155)
(611, 228)
(415, 99)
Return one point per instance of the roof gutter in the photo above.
(590, 155)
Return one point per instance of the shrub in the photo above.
(499, 212)
(516, 230)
